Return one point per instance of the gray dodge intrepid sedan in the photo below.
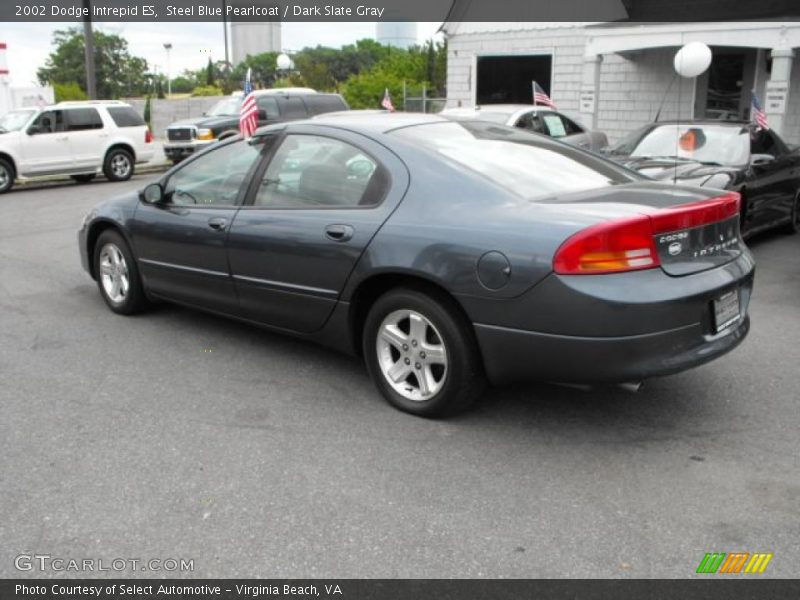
(446, 254)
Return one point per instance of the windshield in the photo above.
(229, 107)
(518, 161)
(715, 144)
(15, 119)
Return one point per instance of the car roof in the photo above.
(374, 121)
(723, 122)
(505, 108)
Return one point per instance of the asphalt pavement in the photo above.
(178, 435)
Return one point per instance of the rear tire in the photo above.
(793, 226)
(421, 353)
(83, 178)
(6, 176)
(118, 165)
(118, 275)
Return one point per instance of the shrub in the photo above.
(207, 90)
(69, 91)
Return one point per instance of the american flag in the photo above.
(387, 101)
(540, 96)
(757, 114)
(248, 114)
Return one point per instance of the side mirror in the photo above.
(760, 160)
(34, 129)
(153, 194)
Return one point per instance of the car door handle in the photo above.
(217, 223)
(339, 233)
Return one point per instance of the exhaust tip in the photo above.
(632, 386)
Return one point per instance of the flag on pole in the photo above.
(540, 96)
(248, 114)
(757, 114)
(387, 101)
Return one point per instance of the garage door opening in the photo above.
(507, 79)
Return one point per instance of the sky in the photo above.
(29, 43)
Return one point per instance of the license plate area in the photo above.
(726, 310)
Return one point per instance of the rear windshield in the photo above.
(525, 164)
(125, 116)
(323, 103)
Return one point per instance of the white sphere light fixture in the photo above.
(692, 60)
(284, 62)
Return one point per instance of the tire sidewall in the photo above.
(450, 329)
(6, 167)
(135, 299)
(108, 170)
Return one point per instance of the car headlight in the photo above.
(205, 135)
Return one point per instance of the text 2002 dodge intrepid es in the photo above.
(446, 253)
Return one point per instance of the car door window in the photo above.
(81, 119)
(555, 126)
(214, 178)
(571, 127)
(293, 107)
(763, 141)
(310, 171)
(270, 107)
(531, 122)
(51, 121)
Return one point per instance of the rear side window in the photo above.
(81, 119)
(324, 103)
(269, 105)
(292, 108)
(125, 116)
(526, 165)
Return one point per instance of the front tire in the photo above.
(421, 353)
(6, 176)
(117, 274)
(118, 165)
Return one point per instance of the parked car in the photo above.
(444, 252)
(185, 137)
(80, 139)
(537, 119)
(726, 155)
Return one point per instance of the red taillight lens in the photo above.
(628, 245)
(623, 245)
(696, 214)
(148, 136)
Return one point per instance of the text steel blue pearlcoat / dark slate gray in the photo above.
(444, 225)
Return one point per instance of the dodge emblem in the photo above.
(675, 248)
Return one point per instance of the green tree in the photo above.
(118, 73)
(263, 70)
(210, 73)
(68, 91)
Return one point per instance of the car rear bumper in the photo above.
(594, 331)
(514, 355)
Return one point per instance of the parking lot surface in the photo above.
(174, 434)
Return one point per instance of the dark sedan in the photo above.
(730, 155)
(445, 253)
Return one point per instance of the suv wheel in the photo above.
(421, 353)
(6, 176)
(793, 226)
(118, 165)
(118, 275)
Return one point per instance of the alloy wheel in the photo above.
(114, 273)
(411, 355)
(120, 166)
(5, 176)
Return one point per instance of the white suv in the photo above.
(79, 139)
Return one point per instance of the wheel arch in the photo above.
(373, 287)
(10, 159)
(96, 229)
(127, 146)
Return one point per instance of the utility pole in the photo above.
(168, 47)
(88, 38)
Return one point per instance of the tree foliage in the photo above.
(68, 91)
(118, 73)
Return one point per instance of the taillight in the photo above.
(623, 245)
(628, 245)
(148, 136)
